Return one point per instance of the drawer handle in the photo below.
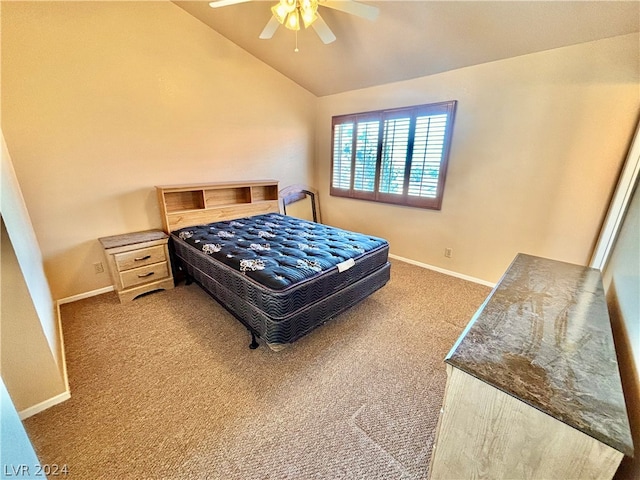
(148, 274)
(139, 259)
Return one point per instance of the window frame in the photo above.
(413, 112)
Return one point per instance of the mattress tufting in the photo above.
(278, 251)
(280, 274)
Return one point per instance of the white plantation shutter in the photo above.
(342, 145)
(366, 154)
(428, 148)
(393, 156)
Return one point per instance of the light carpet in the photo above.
(166, 387)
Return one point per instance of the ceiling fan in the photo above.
(293, 13)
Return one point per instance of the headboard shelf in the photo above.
(183, 200)
(195, 204)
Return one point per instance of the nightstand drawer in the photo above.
(140, 258)
(150, 273)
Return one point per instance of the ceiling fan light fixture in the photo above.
(293, 21)
(289, 12)
(289, 5)
(309, 11)
(280, 12)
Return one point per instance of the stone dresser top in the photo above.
(543, 336)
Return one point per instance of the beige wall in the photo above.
(537, 145)
(622, 283)
(103, 100)
(31, 357)
(28, 254)
(28, 366)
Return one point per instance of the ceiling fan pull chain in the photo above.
(296, 49)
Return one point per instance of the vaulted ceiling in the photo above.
(411, 39)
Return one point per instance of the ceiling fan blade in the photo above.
(354, 8)
(224, 3)
(323, 30)
(270, 29)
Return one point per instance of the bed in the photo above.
(279, 275)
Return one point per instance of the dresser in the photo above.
(138, 263)
(533, 389)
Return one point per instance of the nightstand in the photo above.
(138, 263)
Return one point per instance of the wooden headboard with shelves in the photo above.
(196, 204)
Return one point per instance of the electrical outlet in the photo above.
(98, 267)
(448, 252)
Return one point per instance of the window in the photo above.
(393, 156)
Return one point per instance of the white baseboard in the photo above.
(28, 412)
(81, 296)
(62, 366)
(62, 355)
(442, 270)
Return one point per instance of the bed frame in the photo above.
(200, 203)
(295, 193)
(191, 205)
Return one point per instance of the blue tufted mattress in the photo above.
(280, 275)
